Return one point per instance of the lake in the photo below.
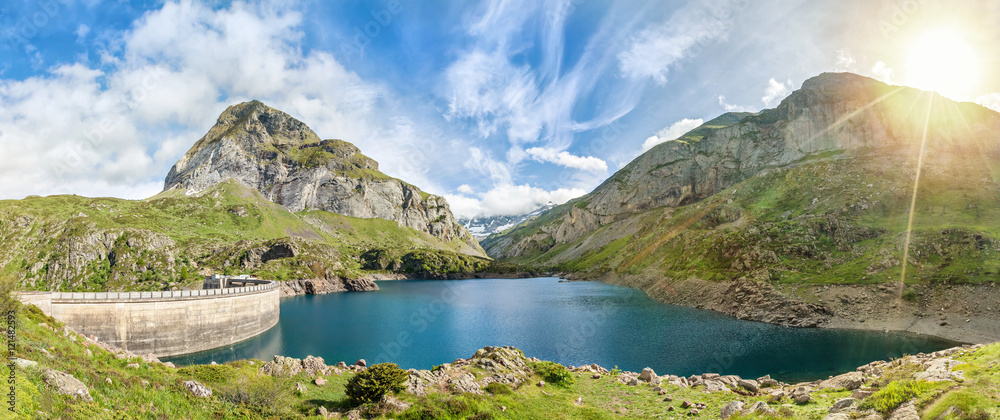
(422, 323)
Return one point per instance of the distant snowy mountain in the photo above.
(481, 227)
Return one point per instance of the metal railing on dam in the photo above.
(178, 294)
(165, 323)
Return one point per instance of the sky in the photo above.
(498, 105)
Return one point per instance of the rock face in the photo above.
(287, 162)
(831, 112)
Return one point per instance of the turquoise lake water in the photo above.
(422, 323)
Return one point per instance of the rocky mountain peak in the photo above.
(282, 158)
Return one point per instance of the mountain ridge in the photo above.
(286, 161)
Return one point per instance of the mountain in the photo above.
(482, 227)
(259, 194)
(279, 156)
(815, 191)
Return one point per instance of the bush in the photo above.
(910, 295)
(891, 396)
(267, 396)
(553, 373)
(497, 388)
(615, 372)
(371, 384)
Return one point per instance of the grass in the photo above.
(828, 218)
(167, 240)
(240, 392)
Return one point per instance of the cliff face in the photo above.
(287, 162)
(831, 113)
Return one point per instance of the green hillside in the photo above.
(172, 239)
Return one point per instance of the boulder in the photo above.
(361, 363)
(713, 385)
(849, 381)
(24, 363)
(282, 366)
(907, 411)
(66, 384)
(844, 405)
(761, 408)
(198, 389)
(320, 381)
(731, 408)
(749, 385)
(315, 366)
(647, 375)
(941, 370)
(465, 383)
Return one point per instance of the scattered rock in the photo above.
(198, 389)
(844, 405)
(108, 380)
(941, 370)
(596, 376)
(170, 365)
(322, 412)
(24, 363)
(282, 366)
(647, 375)
(466, 383)
(341, 365)
(761, 408)
(132, 365)
(749, 385)
(732, 408)
(66, 384)
(319, 381)
(300, 388)
(541, 384)
(315, 366)
(907, 411)
(361, 363)
(849, 381)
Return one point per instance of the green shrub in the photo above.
(894, 394)
(615, 372)
(553, 373)
(497, 388)
(371, 384)
(267, 396)
(910, 295)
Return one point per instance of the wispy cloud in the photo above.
(653, 52)
(564, 158)
(671, 132)
(508, 199)
(883, 72)
(775, 91)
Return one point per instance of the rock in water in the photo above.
(279, 156)
(66, 384)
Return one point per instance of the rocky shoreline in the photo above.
(960, 313)
(366, 283)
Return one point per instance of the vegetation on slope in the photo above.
(170, 240)
(133, 388)
(829, 219)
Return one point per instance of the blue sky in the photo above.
(499, 105)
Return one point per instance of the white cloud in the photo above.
(672, 132)
(734, 108)
(845, 62)
(564, 158)
(775, 91)
(656, 49)
(114, 130)
(482, 163)
(883, 72)
(465, 189)
(81, 33)
(507, 199)
(991, 101)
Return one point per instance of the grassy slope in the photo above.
(209, 229)
(126, 396)
(769, 227)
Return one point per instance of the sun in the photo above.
(942, 61)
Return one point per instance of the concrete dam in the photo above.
(165, 323)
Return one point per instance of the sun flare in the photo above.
(944, 62)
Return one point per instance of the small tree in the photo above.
(372, 383)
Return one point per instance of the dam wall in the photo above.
(165, 323)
